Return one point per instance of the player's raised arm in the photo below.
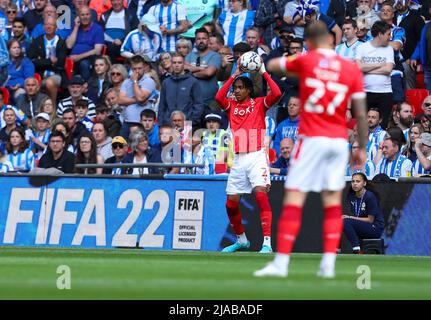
(275, 93)
(220, 97)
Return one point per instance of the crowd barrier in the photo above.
(180, 212)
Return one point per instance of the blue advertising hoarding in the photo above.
(107, 213)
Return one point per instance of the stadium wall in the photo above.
(181, 213)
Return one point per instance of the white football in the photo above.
(250, 62)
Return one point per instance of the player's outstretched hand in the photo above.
(262, 69)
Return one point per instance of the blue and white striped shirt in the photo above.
(235, 25)
(399, 167)
(346, 51)
(417, 168)
(6, 167)
(369, 170)
(22, 160)
(138, 43)
(374, 139)
(270, 126)
(44, 138)
(169, 17)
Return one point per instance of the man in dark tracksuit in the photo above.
(182, 92)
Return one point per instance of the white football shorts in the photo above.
(249, 170)
(317, 164)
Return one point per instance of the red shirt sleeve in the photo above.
(275, 93)
(220, 97)
(291, 64)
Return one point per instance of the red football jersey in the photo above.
(247, 119)
(327, 84)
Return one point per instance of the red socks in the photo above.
(232, 208)
(265, 213)
(288, 228)
(332, 228)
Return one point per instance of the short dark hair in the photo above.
(57, 133)
(376, 110)
(350, 21)
(69, 110)
(219, 37)
(241, 47)
(202, 30)
(19, 19)
(380, 27)
(136, 59)
(297, 40)
(148, 113)
(82, 103)
(136, 124)
(102, 107)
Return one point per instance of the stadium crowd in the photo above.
(135, 81)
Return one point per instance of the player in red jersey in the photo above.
(250, 169)
(318, 163)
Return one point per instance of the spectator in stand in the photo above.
(203, 64)
(86, 153)
(10, 123)
(50, 11)
(11, 14)
(169, 150)
(269, 14)
(393, 163)
(398, 38)
(99, 82)
(183, 46)
(81, 111)
(366, 9)
(34, 16)
(4, 61)
(5, 165)
(415, 132)
(215, 43)
(184, 130)
(376, 60)
(292, 19)
(19, 69)
(21, 118)
(100, 134)
(31, 99)
(19, 33)
(141, 153)
(135, 93)
(77, 129)
(403, 118)
(119, 150)
(376, 134)
(76, 89)
(234, 23)
(339, 10)
(145, 40)
(252, 37)
(288, 128)
(281, 166)
(48, 53)
(85, 42)
(363, 30)
(138, 9)
(215, 138)
(104, 116)
(62, 127)
(19, 153)
(198, 15)
(47, 106)
(148, 120)
(413, 24)
(348, 48)
(40, 139)
(116, 25)
(181, 92)
(117, 73)
(165, 65)
(368, 167)
(422, 164)
(57, 156)
(172, 22)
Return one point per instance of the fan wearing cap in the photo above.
(39, 141)
(422, 165)
(215, 138)
(145, 40)
(172, 21)
(119, 149)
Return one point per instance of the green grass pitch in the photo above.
(29, 273)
